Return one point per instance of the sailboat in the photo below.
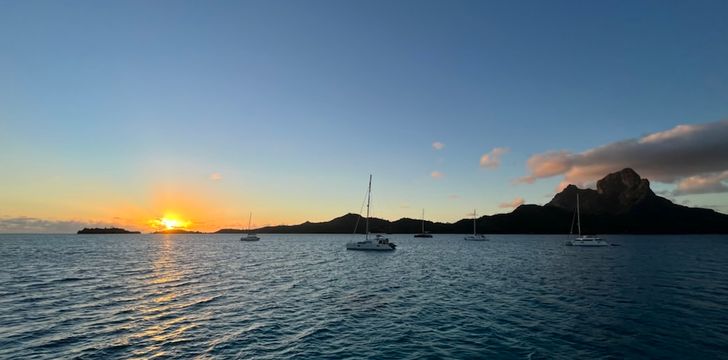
(475, 236)
(379, 242)
(423, 234)
(250, 236)
(583, 240)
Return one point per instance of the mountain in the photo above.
(622, 203)
(346, 224)
(616, 193)
(340, 225)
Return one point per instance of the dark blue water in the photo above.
(305, 296)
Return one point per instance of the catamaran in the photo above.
(251, 236)
(476, 236)
(583, 240)
(379, 242)
(423, 234)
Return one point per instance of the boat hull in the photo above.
(587, 242)
(476, 238)
(423, 235)
(369, 248)
(379, 244)
(250, 238)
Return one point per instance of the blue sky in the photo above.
(130, 106)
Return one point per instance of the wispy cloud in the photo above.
(491, 159)
(215, 176)
(453, 196)
(512, 204)
(438, 145)
(693, 156)
(437, 175)
(35, 225)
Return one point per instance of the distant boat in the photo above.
(379, 242)
(250, 236)
(476, 236)
(583, 240)
(423, 234)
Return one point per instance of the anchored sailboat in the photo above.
(583, 240)
(475, 236)
(379, 242)
(250, 236)
(423, 234)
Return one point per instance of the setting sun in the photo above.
(169, 222)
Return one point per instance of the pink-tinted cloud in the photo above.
(512, 204)
(676, 132)
(492, 158)
(703, 184)
(215, 176)
(668, 156)
(437, 175)
(438, 145)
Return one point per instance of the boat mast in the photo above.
(369, 197)
(249, 220)
(423, 221)
(475, 216)
(573, 219)
(578, 215)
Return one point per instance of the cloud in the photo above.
(676, 132)
(437, 175)
(702, 184)
(34, 225)
(492, 159)
(698, 151)
(215, 176)
(438, 145)
(513, 204)
(453, 196)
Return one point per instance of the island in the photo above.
(111, 230)
(622, 203)
(178, 231)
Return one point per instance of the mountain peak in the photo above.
(616, 193)
(625, 180)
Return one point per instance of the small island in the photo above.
(178, 231)
(112, 230)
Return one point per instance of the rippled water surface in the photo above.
(305, 296)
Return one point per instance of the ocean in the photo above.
(307, 297)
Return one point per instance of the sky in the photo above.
(126, 113)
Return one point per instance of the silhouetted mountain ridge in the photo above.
(616, 193)
(622, 203)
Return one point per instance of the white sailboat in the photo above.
(423, 234)
(379, 242)
(583, 240)
(250, 236)
(476, 236)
